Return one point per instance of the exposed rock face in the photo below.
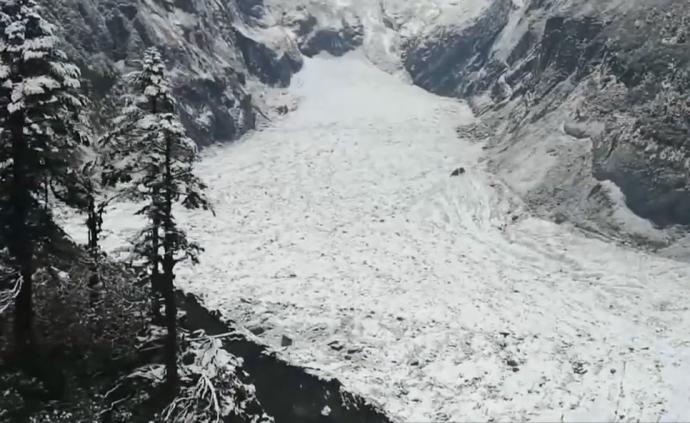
(598, 88)
(336, 42)
(212, 48)
(448, 63)
(646, 107)
(316, 30)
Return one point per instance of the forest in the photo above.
(79, 320)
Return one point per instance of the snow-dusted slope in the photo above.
(410, 18)
(381, 27)
(220, 56)
(437, 297)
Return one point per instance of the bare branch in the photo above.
(7, 296)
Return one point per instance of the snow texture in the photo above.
(439, 298)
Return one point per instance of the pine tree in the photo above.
(40, 146)
(152, 161)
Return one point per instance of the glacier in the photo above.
(437, 297)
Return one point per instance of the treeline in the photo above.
(50, 158)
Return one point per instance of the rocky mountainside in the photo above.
(577, 94)
(216, 49)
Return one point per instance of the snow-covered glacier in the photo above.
(462, 209)
(538, 73)
(439, 298)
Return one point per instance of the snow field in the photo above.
(437, 297)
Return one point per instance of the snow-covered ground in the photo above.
(437, 297)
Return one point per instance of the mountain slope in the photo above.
(220, 53)
(592, 90)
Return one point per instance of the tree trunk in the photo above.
(20, 242)
(171, 376)
(156, 288)
(92, 225)
(156, 282)
(169, 277)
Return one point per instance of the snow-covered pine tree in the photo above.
(121, 166)
(40, 142)
(152, 161)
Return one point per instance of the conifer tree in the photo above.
(152, 162)
(40, 143)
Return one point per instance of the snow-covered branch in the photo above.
(211, 390)
(215, 391)
(8, 295)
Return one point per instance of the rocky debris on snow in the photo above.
(336, 345)
(559, 218)
(579, 368)
(285, 274)
(511, 363)
(459, 171)
(257, 331)
(475, 131)
(354, 350)
(578, 131)
(285, 341)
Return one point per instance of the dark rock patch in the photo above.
(274, 68)
(459, 171)
(334, 42)
(445, 66)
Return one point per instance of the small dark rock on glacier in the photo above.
(459, 171)
(257, 330)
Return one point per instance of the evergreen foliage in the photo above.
(150, 159)
(41, 142)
